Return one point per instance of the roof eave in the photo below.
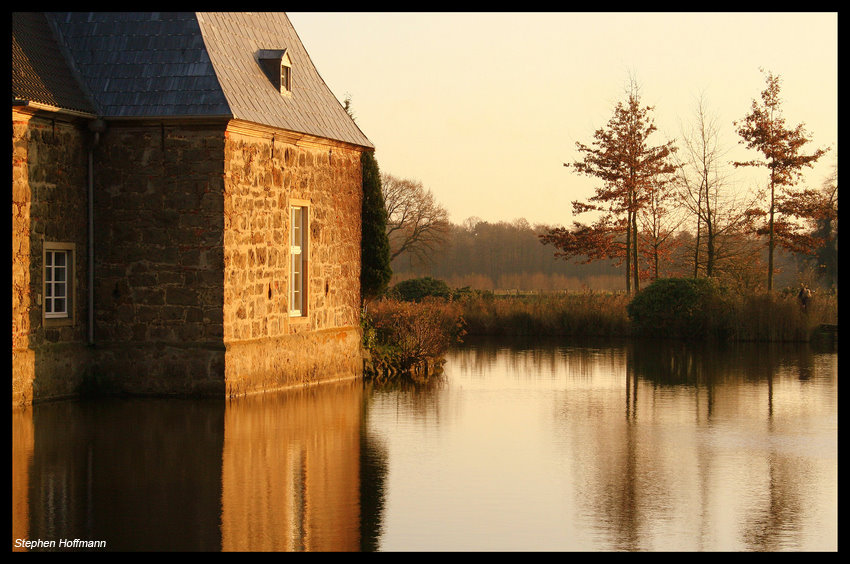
(34, 107)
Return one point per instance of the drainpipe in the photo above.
(97, 127)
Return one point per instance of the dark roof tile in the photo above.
(40, 73)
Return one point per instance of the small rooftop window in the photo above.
(277, 67)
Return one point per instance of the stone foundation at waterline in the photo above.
(293, 360)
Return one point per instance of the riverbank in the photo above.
(411, 336)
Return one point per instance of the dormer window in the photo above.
(277, 67)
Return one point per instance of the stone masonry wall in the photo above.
(266, 348)
(191, 259)
(158, 251)
(49, 203)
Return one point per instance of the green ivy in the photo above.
(375, 270)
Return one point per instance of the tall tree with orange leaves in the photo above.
(630, 169)
(764, 130)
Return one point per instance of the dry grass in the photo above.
(779, 317)
(755, 317)
(586, 314)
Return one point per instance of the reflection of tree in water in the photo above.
(777, 510)
(621, 493)
(780, 508)
(528, 357)
(415, 396)
(373, 476)
(708, 365)
(638, 483)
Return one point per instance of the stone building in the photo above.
(186, 196)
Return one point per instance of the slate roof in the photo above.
(39, 73)
(200, 64)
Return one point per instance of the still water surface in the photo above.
(517, 446)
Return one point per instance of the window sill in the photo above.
(57, 321)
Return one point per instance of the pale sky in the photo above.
(484, 108)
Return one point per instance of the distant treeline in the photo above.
(509, 255)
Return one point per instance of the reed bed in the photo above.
(585, 314)
(757, 317)
(779, 317)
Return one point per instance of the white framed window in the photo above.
(299, 218)
(58, 280)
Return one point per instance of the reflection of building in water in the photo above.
(290, 471)
(294, 491)
(22, 448)
(270, 472)
(138, 475)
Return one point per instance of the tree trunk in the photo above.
(709, 235)
(696, 249)
(635, 252)
(628, 253)
(770, 237)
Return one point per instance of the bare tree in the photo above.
(659, 223)
(706, 193)
(826, 228)
(416, 223)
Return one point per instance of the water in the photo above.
(539, 446)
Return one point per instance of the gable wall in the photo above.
(265, 171)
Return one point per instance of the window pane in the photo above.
(284, 77)
(59, 259)
(59, 305)
(296, 286)
(296, 227)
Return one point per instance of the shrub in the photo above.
(680, 308)
(402, 336)
(416, 289)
